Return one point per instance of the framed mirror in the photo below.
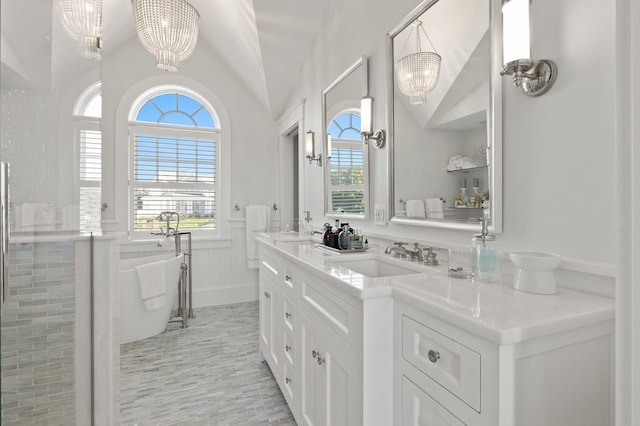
(445, 125)
(346, 173)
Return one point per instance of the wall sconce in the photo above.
(366, 124)
(309, 148)
(532, 77)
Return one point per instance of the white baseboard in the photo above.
(225, 295)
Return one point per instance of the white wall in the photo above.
(558, 148)
(250, 141)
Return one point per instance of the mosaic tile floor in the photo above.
(206, 374)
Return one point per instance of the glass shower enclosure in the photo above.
(47, 312)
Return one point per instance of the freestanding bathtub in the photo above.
(136, 322)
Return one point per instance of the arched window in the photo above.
(347, 164)
(174, 149)
(87, 116)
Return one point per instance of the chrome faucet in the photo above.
(416, 252)
(397, 250)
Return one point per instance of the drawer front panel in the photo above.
(450, 364)
(419, 409)
(270, 267)
(289, 348)
(340, 316)
(288, 314)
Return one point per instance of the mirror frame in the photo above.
(494, 124)
(362, 64)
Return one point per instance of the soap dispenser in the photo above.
(485, 264)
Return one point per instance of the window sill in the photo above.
(132, 246)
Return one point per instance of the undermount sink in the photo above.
(376, 265)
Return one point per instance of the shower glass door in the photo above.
(46, 140)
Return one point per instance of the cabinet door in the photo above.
(265, 308)
(271, 340)
(342, 385)
(331, 393)
(312, 398)
(419, 409)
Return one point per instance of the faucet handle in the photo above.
(430, 257)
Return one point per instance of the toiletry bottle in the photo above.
(485, 265)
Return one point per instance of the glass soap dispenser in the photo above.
(485, 264)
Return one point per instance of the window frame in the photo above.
(180, 131)
(331, 188)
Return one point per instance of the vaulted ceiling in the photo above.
(264, 42)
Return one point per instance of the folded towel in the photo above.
(434, 208)
(257, 220)
(151, 278)
(415, 208)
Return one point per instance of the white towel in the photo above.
(33, 214)
(151, 278)
(434, 208)
(257, 220)
(415, 208)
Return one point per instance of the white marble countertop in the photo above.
(494, 311)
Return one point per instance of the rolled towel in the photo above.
(415, 208)
(435, 208)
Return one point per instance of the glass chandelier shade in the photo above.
(83, 21)
(168, 29)
(418, 72)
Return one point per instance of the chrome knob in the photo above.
(320, 360)
(287, 277)
(314, 353)
(287, 380)
(287, 315)
(267, 294)
(434, 356)
(287, 348)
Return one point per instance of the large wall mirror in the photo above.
(446, 140)
(346, 173)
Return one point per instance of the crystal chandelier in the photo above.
(83, 21)
(418, 72)
(168, 29)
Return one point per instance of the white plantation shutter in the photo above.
(347, 176)
(90, 174)
(174, 169)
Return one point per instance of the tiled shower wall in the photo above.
(38, 335)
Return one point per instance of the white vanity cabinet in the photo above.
(310, 336)
(445, 375)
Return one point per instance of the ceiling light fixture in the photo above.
(83, 21)
(168, 29)
(418, 72)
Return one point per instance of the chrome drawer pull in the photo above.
(434, 356)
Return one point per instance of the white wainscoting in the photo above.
(219, 267)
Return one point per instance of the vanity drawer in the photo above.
(450, 364)
(343, 318)
(419, 409)
(270, 267)
(289, 348)
(288, 314)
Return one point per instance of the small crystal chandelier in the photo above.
(168, 29)
(418, 72)
(83, 21)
